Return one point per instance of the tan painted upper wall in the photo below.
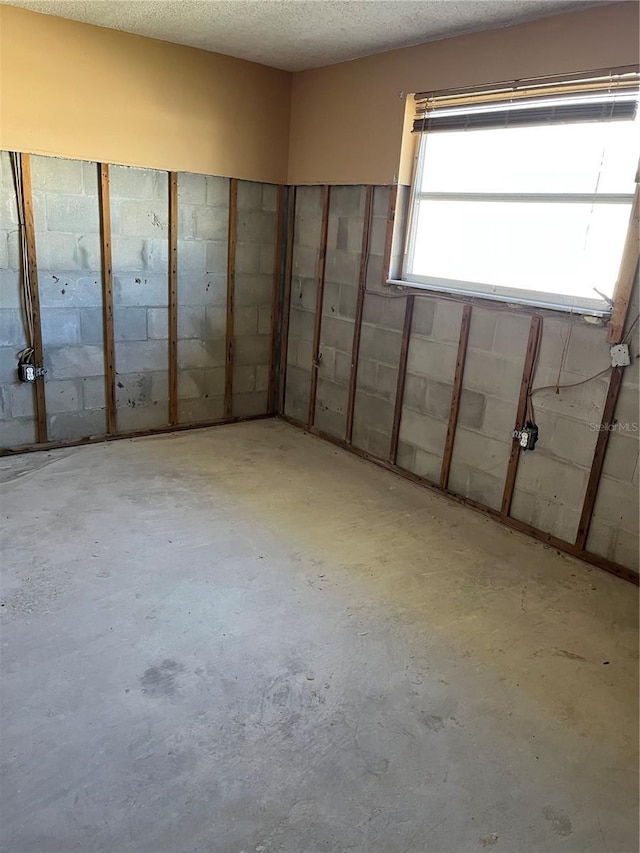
(86, 92)
(347, 119)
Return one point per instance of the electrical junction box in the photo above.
(620, 355)
(27, 372)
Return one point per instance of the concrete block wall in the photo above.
(66, 219)
(253, 305)
(17, 409)
(342, 267)
(139, 229)
(203, 223)
(306, 247)
(380, 343)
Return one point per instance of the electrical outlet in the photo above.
(28, 372)
(620, 355)
(527, 436)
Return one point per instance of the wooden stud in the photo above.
(286, 297)
(540, 535)
(38, 352)
(388, 239)
(231, 287)
(322, 257)
(276, 309)
(627, 274)
(455, 396)
(357, 324)
(104, 201)
(402, 376)
(525, 385)
(602, 442)
(173, 298)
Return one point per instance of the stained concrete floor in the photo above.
(244, 639)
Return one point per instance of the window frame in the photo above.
(587, 306)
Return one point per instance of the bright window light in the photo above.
(537, 211)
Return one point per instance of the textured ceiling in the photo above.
(298, 34)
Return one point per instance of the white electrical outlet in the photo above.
(620, 355)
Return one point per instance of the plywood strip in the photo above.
(173, 298)
(104, 200)
(276, 308)
(602, 441)
(357, 325)
(286, 297)
(231, 286)
(322, 258)
(525, 385)
(34, 292)
(455, 396)
(541, 535)
(627, 274)
(402, 376)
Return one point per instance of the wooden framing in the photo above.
(231, 288)
(173, 298)
(455, 396)
(627, 274)
(34, 294)
(522, 527)
(602, 441)
(357, 323)
(525, 385)
(286, 297)
(402, 375)
(322, 258)
(388, 237)
(104, 200)
(276, 307)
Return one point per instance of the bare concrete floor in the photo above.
(243, 639)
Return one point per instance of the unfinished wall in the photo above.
(68, 254)
(203, 225)
(17, 406)
(551, 482)
(253, 296)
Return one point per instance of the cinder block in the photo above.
(193, 353)
(248, 405)
(585, 400)
(253, 290)
(217, 191)
(305, 261)
(427, 465)
(245, 321)
(262, 377)
(56, 251)
(8, 364)
(330, 421)
(423, 431)
(133, 389)
(492, 374)
(60, 326)
(566, 439)
(56, 175)
(158, 322)
(204, 383)
(67, 292)
(485, 488)
(386, 381)
(432, 358)
(160, 387)
(588, 351)
(148, 416)
(11, 328)
(211, 223)
(216, 258)
(251, 349)
(338, 333)
(438, 399)
(8, 209)
(373, 309)
(249, 195)
(76, 214)
(509, 341)
(21, 400)
(375, 280)
(140, 356)
(207, 290)
(203, 410)
(130, 254)
(270, 197)
(143, 219)
(561, 483)
(62, 396)
(621, 459)
(617, 504)
(244, 379)
(626, 549)
(303, 294)
(301, 324)
(248, 258)
(192, 322)
(267, 259)
(373, 411)
(93, 392)
(347, 200)
(307, 228)
(192, 189)
(342, 267)
(415, 389)
(499, 417)
(383, 345)
(142, 291)
(482, 453)
(216, 322)
(73, 425)
(472, 406)
(406, 457)
(265, 321)
(71, 362)
(256, 227)
(601, 538)
(447, 321)
(17, 432)
(128, 182)
(347, 301)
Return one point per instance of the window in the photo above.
(525, 194)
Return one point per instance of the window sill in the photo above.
(588, 308)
